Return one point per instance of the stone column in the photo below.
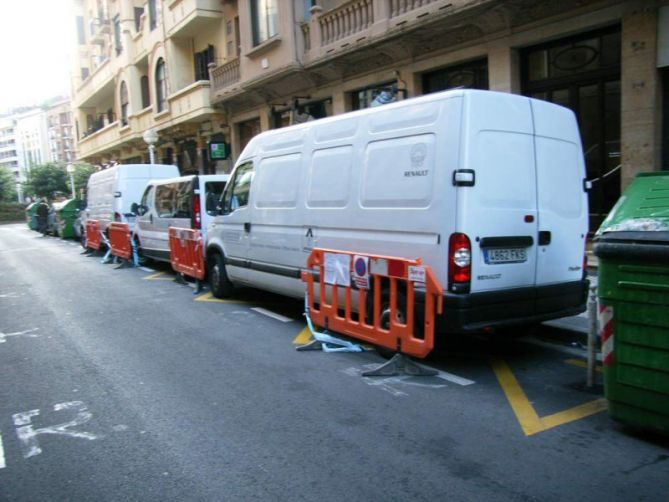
(640, 96)
(503, 68)
(202, 166)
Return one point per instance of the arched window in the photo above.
(161, 86)
(123, 95)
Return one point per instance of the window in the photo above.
(165, 200)
(375, 95)
(214, 191)
(85, 72)
(202, 60)
(139, 12)
(472, 75)
(153, 15)
(264, 19)
(117, 35)
(124, 104)
(161, 85)
(146, 97)
(237, 193)
(81, 32)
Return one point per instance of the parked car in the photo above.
(487, 188)
(112, 191)
(176, 202)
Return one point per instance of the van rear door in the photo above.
(497, 209)
(562, 200)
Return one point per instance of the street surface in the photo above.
(122, 385)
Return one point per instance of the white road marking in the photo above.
(147, 269)
(9, 295)
(28, 436)
(2, 455)
(454, 378)
(3, 336)
(271, 314)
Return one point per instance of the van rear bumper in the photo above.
(495, 309)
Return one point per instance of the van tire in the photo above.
(385, 313)
(220, 285)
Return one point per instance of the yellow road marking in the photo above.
(582, 364)
(303, 337)
(527, 417)
(159, 276)
(209, 297)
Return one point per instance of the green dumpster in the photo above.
(66, 213)
(31, 216)
(633, 288)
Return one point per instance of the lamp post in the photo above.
(70, 171)
(150, 137)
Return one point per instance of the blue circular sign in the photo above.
(360, 267)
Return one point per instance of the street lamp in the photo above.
(150, 137)
(70, 171)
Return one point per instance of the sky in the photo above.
(36, 40)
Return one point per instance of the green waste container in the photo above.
(633, 288)
(31, 216)
(66, 213)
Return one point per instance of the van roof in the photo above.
(202, 177)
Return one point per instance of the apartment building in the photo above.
(276, 62)
(60, 132)
(32, 139)
(9, 154)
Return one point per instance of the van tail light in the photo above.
(459, 263)
(118, 218)
(197, 215)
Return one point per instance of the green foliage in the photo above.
(7, 186)
(46, 180)
(12, 212)
(81, 174)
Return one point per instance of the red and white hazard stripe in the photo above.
(605, 318)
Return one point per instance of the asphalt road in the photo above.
(117, 385)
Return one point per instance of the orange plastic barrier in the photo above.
(120, 240)
(93, 235)
(373, 272)
(187, 252)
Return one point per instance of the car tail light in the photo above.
(197, 215)
(459, 263)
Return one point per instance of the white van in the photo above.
(185, 202)
(487, 188)
(111, 192)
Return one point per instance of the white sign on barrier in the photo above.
(337, 269)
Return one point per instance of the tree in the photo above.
(81, 174)
(45, 180)
(7, 186)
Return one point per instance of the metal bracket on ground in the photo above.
(400, 364)
(326, 342)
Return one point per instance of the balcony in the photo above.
(186, 18)
(100, 31)
(190, 103)
(223, 77)
(100, 140)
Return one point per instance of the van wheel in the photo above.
(220, 285)
(384, 318)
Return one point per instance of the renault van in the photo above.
(184, 202)
(112, 191)
(487, 188)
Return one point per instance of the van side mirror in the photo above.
(134, 208)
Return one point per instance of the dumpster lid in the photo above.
(641, 213)
(69, 204)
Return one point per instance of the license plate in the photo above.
(505, 255)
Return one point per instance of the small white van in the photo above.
(111, 192)
(185, 202)
(487, 188)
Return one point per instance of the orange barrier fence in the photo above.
(120, 240)
(93, 235)
(389, 283)
(187, 252)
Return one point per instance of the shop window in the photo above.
(264, 20)
(301, 112)
(375, 95)
(472, 75)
